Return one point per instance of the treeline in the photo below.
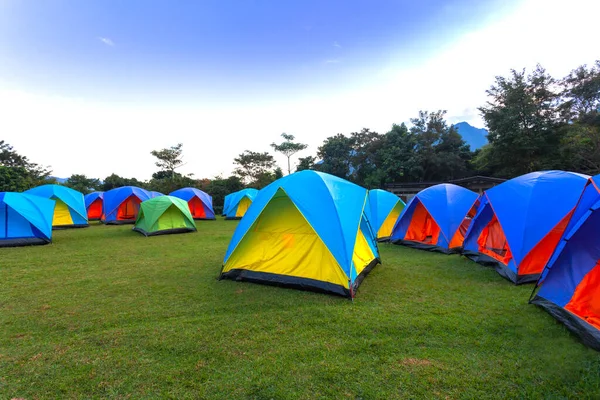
(535, 122)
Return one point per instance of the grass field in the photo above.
(104, 312)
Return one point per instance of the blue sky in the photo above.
(225, 76)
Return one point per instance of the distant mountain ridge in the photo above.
(475, 137)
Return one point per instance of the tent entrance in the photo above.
(423, 227)
(492, 242)
(388, 225)
(282, 242)
(128, 209)
(585, 302)
(197, 208)
(171, 218)
(243, 206)
(459, 236)
(95, 210)
(62, 215)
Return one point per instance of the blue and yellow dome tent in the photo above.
(199, 202)
(436, 219)
(308, 230)
(93, 205)
(69, 211)
(520, 222)
(121, 205)
(569, 287)
(239, 203)
(25, 219)
(164, 215)
(385, 209)
(226, 202)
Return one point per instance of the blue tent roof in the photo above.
(332, 206)
(529, 206)
(381, 203)
(188, 193)
(155, 194)
(90, 198)
(37, 211)
(233, 199)
(72, 198)
(447, 204)
(113, 199)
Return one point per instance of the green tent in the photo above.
(163, 215)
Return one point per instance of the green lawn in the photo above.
(105, 312)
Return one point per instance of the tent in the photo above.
(121, 205)
(155, 194)
(164, 215)
(385, 209)
(25, 219)
(436, 218)
(69, 211)
(239, 203)
(200, 203)
(226, 203)
(520, 221)
(93, 205)
(318, 239)
(569, 287)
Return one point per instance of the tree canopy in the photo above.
(288, 148)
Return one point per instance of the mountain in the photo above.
(475, 137)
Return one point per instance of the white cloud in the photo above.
(106, 41)
(96, 139)
(336, 44)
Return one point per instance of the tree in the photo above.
(522, 119)
(220, 187)
(83, 184)
(26, 175)
(251, 166)
(114, 181)
(305, 163)
(288, 148)
(399, 163)
(581, 94)
(14, 179)
(335, 153)
(169, 159)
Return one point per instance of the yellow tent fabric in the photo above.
(388, 225)
(62, 215)
(282, 242)
(243, 207)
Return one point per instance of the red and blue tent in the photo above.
(436, 218)
(93, 205)
(519, 222)
(121, 205)
(199, 202)
(569, 288)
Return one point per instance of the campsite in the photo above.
(299, 200)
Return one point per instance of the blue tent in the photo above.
(93, 205)
(239, 202)
(384, 210)
(226, 203)
(25, 219)
(436, 218)
(199, 202)
(308, 230)
(569, 288)
(520, 221)
(155, 194)
(69, 211)
(121, 205)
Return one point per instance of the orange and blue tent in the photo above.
(69, 211)
(93, 205)
(25, 219)
(236, 204)
(199, 202)
(437, 218)
(520, 222)
(569, 287)
(385, 209)
(308, 230)
(122, 205)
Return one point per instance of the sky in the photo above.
(92, 87)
